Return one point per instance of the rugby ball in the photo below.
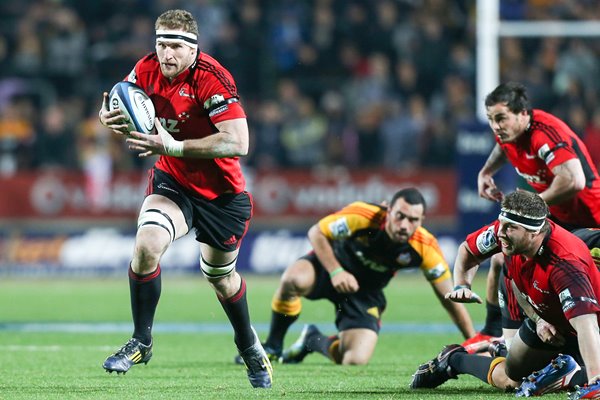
(135, 104)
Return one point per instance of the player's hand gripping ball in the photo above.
(135, 104)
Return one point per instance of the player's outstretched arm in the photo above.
(458, 312)
(485, 182)
(589, 344)
(465, 267)
(569, 179)
(341, 280)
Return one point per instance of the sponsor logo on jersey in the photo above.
(435, 272)
(183, 117)
(536, 285)
(531, 178)
(215, 105)
(486, 241)
(545, 153)
(370, 263)
(218, 110)
(339, 228)
(404, 259)
(183, 93)
(589, 300)
(214, 101)
(566, 300)
(170, 125)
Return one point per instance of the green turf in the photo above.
(62, 365)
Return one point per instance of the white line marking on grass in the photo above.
(51, 348)
(174, 327)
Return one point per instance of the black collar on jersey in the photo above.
(542, 250)
(530, 113)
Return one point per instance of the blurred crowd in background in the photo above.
(354, 83)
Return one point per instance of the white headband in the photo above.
(174, 36)
(526, 221)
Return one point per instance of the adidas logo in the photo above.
(231, 240)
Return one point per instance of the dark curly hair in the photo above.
(513, 94)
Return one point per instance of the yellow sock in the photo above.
(291, 308)
(493, 366)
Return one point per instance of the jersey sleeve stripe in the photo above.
(227, 84)
(574, 272)
(427, 241)
(550, 132)
(587, 168)
(422, 238)
(363, 212)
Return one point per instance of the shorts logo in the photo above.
(374, 311)
(486, 241)
(231, 241)
(165, 187)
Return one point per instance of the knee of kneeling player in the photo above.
(354, 358)
(502, 378)
(291, 285)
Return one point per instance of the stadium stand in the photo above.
(367, 79)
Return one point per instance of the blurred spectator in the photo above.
(16, 135)
(432, 55)
(368, 123)
(303, 136)
(360, 63)
(96, 157)
(28, 55)
(266, 151)
(55, 142)
(342, 139)
(402, 132)
(437, 150)
(577, 63)
(591, 137)
(65, 42)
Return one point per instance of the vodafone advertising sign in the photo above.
(302, 193)
(279, 194)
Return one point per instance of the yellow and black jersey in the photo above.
(361, 244)
(591, 237)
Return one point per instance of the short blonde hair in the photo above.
(178, 20)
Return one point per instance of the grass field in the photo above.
(55, 333)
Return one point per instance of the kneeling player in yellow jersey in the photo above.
(357, 251)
